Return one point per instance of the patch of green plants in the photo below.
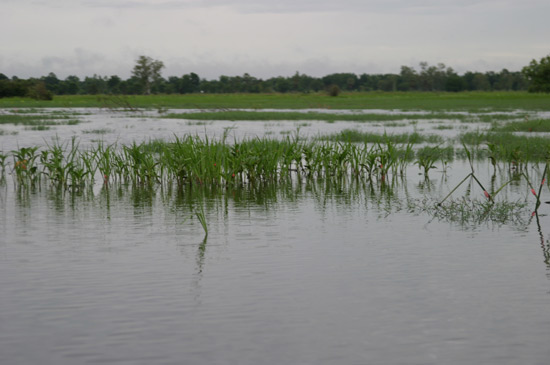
(36, 119)
(38, 128)
(7, 133)
(243, 115)
(493, 117)
(428, 156)
(505, 146)
(535, 125)
(352, 135)
(475, 212)
(97, 131)
(443, 127)
(18, 119)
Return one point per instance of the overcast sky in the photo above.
(269, 37)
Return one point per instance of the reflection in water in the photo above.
(544, 243)
(283, 262)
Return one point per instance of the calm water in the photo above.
(301, 273)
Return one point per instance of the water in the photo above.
(300, 273)
(126, 127)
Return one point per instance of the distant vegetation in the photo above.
(475, 101)
(146, 79)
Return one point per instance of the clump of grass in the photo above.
(30, 120)
(34, 120)
(97, 131)
(535, 125)
(243, 115)
(443, 127)
(351, 135)
(509, 147)
(39, 128)
(191, 160)
(202, 220)
(466, 212)
(428, 156)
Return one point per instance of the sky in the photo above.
(268, 38)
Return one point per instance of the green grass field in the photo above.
(465, 101)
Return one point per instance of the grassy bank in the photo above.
(465, 101)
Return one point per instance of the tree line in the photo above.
(146, 78)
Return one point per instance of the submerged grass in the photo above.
(37, 120)
(189, 162)
(474, 212)
(509, 147)
(242, 115)
(536, 125)
(352, 135)
(98, 131)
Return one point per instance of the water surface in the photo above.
(300, 272)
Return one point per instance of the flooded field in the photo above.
(309, 267)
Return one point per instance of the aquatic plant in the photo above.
(474, 212)
(24, 166)
(351, 135)
(514, 149)
(202, 220)
(529, 125)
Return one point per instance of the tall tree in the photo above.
(538, 73)
(147, 71)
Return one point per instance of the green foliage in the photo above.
(514, 149)
(146, 79)
(534, 125)
(333, 90)
(39, 92)
(147, 71)
(349, 135)
(538, 73)
(427, 156)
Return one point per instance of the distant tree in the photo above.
(282, 84)
(147, 71)
(189, 83)
(132, 86)
(113, 84)
(51, 82)
(481, 82)
(538, 73)
(434, 78)
(455, 83)
(70, 86)
(368, 82)
(39, 91)
(387, 82)
(345, 81)
(408, 79)
(95, 85)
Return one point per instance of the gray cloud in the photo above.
(269, 38)
(291, 6)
